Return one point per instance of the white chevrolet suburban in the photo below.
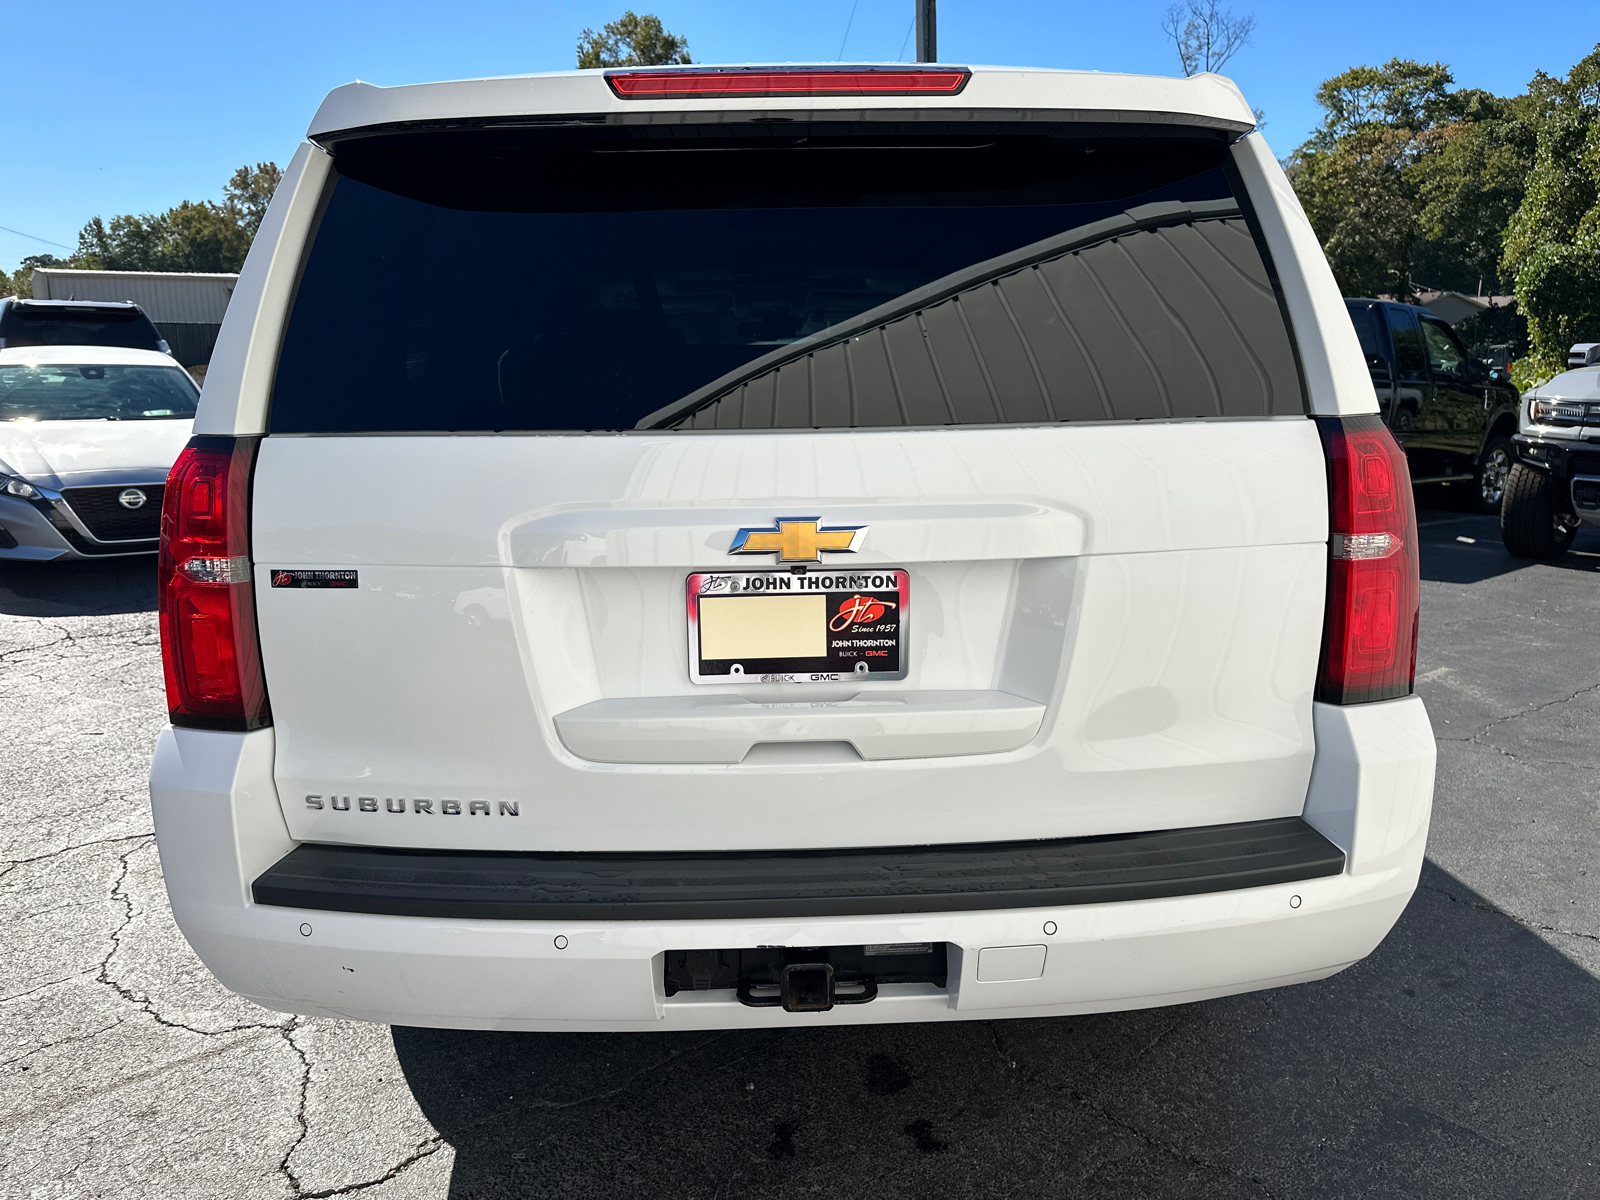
(836, 545)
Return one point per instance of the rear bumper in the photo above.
(219, 829)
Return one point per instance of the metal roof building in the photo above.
(166, 297)
(186, 307)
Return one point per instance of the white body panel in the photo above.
(1152, 594)
(218, 826)
(996, 92)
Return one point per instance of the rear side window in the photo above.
(1408, 360)
(1365, 320)
(26, 325)
(641, 278)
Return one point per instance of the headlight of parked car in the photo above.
(1557, 412)
(12, 486)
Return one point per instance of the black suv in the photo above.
(1454, 415)
(77, 323)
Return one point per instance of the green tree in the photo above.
(1401, 94)
(1552, 242)
(631, 41)
(21, 282)
(1357, 200)
(1468, 190)
(193, 236)
(249, 192)
(1408, 182)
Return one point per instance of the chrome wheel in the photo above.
(1492, 476)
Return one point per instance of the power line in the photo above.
(847, 25)
(32, 238)
(907, 38)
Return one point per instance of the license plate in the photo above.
(822, 626)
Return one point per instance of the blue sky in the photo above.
(115, 107)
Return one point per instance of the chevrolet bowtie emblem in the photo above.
(797, 539)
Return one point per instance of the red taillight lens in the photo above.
(1369, 640)
(208, 608)
(787, 81)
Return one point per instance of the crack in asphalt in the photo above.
(1172, 1152)
(286, 1168)
(1537, 708)
(140, 635)
(10, 864)
(1500, 912)
(42, 986)
(426, 1150)
(1481, 737)
(438, 1142)
(66, 1041)
(1000, 1046)
(1153, 1042)
(673, 1056)
(16, 1116)
(1513, 756)
(143, 1002)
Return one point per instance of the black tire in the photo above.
(1531, 525)
(1494, 469)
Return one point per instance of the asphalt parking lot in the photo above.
(1462, 1059)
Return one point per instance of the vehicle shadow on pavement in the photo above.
(1462, 548)
(1462, 1058)
(78, 588)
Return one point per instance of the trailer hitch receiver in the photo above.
(807, 987)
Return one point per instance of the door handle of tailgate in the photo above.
(723, 729)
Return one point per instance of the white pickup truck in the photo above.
(834, 545)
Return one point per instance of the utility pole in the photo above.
(927, 31)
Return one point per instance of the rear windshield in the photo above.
(125, 327)
(639, 279)
(95, 393)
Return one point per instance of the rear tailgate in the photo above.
(1039, 387)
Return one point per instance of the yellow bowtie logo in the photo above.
(797, 539)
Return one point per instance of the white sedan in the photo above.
(87, 435)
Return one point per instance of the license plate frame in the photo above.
(865, 615)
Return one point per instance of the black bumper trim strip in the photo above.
(797, 883)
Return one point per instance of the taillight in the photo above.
(1369, 639)
(208, 607)
(713, 82)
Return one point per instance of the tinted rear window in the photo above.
(28, 326)
(687, 279)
